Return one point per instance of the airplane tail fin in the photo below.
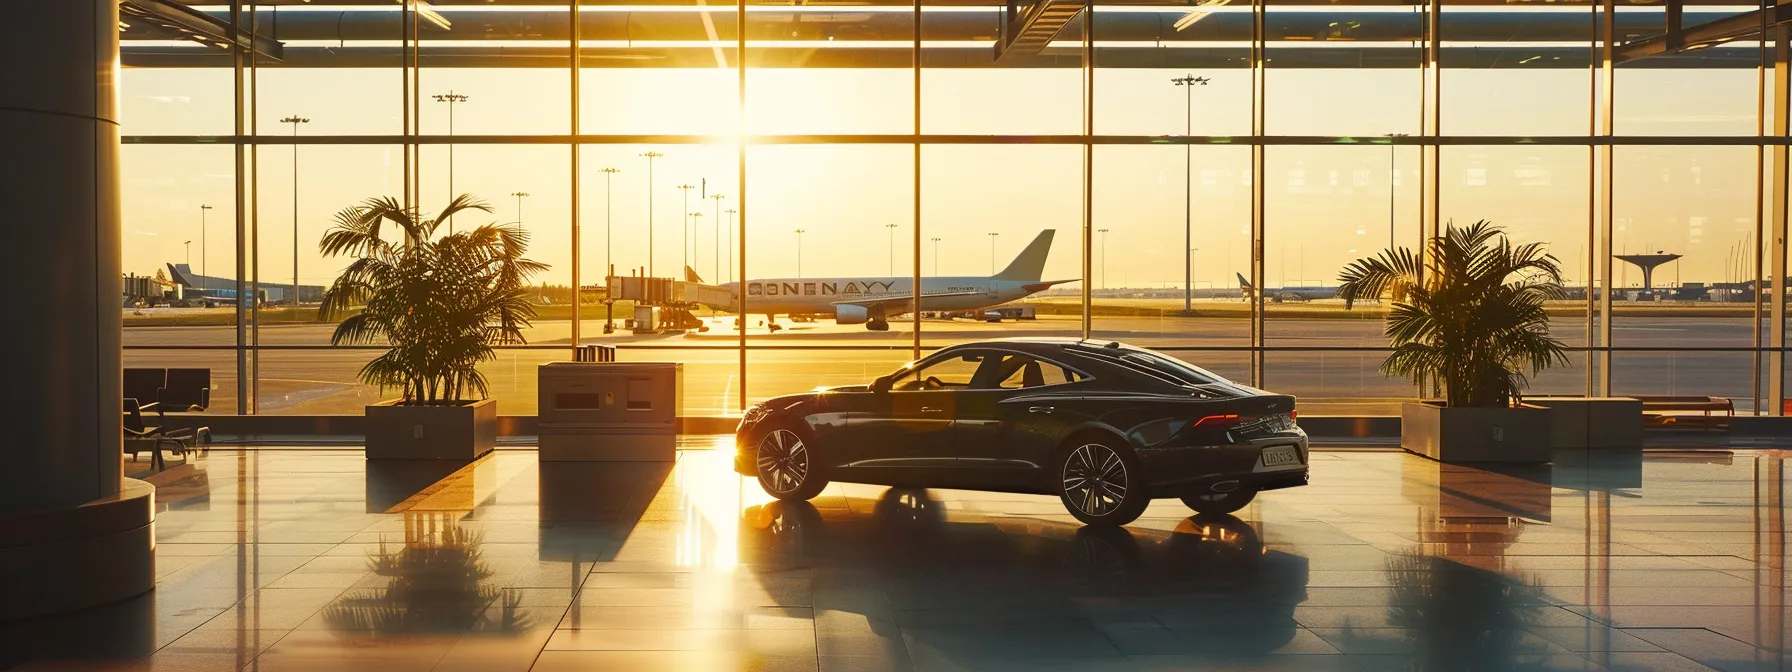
(1243, 283)
(1030, 265)
(691, 276)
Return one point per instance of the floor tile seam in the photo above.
(572, 604)
(256, 593)
(1694, 627)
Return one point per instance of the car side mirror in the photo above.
(883, 383)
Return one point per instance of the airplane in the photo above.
(1280, 294)
(872, 301)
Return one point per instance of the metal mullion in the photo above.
(1607, 175)
(253, 218)
(1089, 164)
(406, 132)
(740, 145)
(1431, 126)
(1592, 341)
(916, 256)
(1259, 80)
(1776, 271)
(1761, 112)
(573, 148)
(236, 82)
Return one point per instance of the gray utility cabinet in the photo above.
(609, 411)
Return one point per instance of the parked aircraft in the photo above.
(872, 301)
(1280, 294)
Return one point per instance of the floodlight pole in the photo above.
(1188, 82)
(451, 98)
(202, 208)
(992, 252)
(799, 252)
(609, 266)
(936, 256)
(520, 195)
(730, 247)
(1391, 174)
(696, 221)
(650, 157)
(892, 229)
(715, 242)
(295, 120)
(1104, 257)
(685, 225)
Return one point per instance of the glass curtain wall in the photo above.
(1205, 171)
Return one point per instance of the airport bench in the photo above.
(162, 390)
(180, 390)
(140, 436)
(1674, 410)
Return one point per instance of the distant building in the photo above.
(183, 275)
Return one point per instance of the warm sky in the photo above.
(1326, 205)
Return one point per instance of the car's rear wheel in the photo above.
(1100, 483)
(787, 465)
(1219, 502)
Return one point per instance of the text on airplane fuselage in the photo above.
(806, 288)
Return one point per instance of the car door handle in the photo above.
(929, 409)
(1043, 410)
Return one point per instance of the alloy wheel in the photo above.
(1095, 479)
(783, 461)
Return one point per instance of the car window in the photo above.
(1021, 371)
(952, 373)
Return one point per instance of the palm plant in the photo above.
(1468, 315)
(440, 302)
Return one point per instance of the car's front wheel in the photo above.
(1219, 502)
(1101, 483)
(787, 465)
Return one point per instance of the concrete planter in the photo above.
(446, 432)
(1446, 434)
(1594, 422)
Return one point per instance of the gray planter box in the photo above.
(461, 432)
(1594, 422)
(1520, 434)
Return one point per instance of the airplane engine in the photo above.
(846, 314)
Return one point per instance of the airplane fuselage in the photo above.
(783, 296)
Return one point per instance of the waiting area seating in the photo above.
(158, 391)
(178, 390)
(1671, 410)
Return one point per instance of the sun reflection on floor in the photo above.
(712, 498)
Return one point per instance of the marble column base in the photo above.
(64, 560)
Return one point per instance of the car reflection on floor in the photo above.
(1210, 577)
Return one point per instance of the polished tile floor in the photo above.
(305, 559)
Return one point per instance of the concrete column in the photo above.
(58, 113)
(69, 521)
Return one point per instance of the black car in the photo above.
(1105, 426)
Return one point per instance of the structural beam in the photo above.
(1678, 38)
(198, 26)
(1027, 30)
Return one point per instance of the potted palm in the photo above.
(1467, 319)
(441, 302)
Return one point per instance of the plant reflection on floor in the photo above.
(1456, 617)
(433, 586)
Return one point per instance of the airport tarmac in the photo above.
(298, 377)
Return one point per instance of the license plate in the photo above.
(1275, 456)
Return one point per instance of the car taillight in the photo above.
(1217, 421)
(1293, 415)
